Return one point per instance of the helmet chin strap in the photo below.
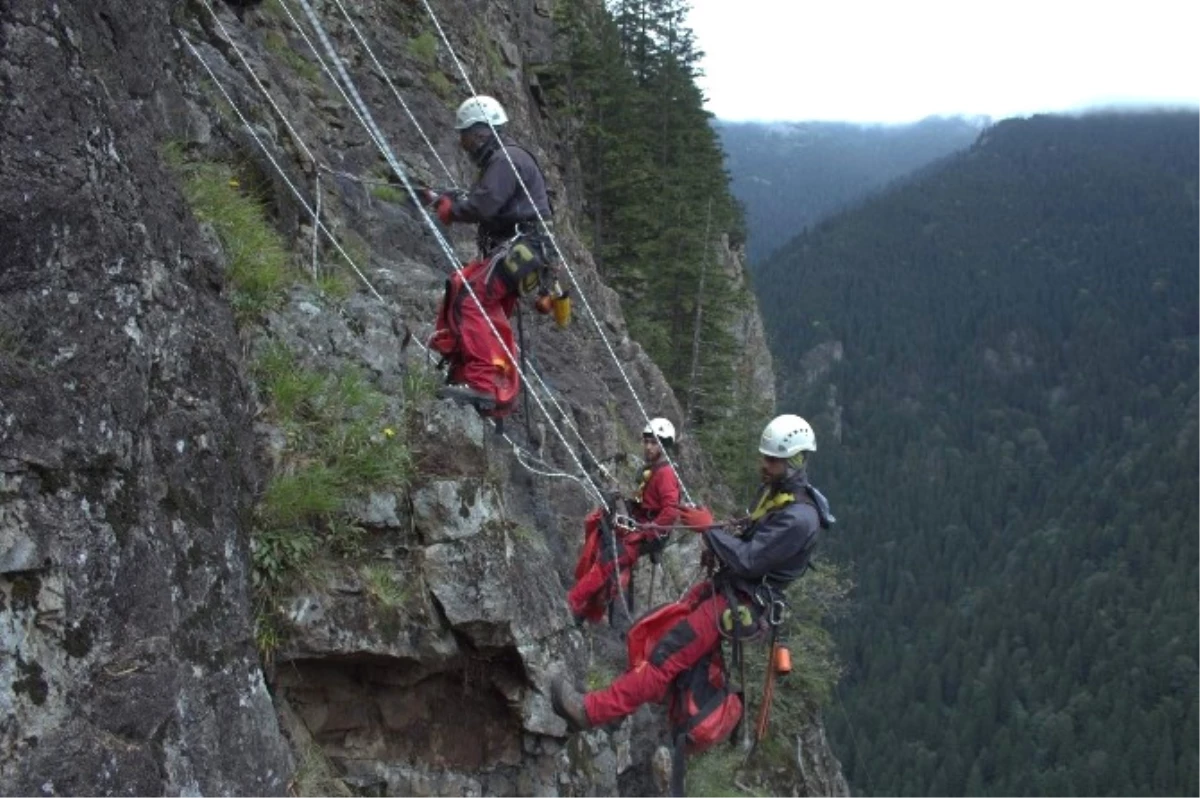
(797, 460)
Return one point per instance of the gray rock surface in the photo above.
(127, 663)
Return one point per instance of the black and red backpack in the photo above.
(704, 709)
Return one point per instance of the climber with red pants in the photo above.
(758, 562)
(655, 502)
(473, 336)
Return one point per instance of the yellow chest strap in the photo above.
(641, 488)
(769, 502)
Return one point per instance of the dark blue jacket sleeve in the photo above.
(485, 199)
(777, 543)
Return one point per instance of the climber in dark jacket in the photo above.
(765, 558)
(481, 373)
(496, 202)
(776, 548)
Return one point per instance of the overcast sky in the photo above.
(903, 60)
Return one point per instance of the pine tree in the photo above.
(657, 197)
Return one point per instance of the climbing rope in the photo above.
(535, 465)
(254, 77)
(387, 78)
(311, 209)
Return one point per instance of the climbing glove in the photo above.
(445, 208)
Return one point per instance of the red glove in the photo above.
(445, 206)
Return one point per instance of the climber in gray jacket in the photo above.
(496, 202)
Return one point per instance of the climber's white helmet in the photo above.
(787, 436)
(480, 109)
(662, 429)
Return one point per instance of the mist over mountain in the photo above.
(791, 175)
(1000, 359)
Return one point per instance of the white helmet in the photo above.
(787, 436)
(480, 109)
(662, 429)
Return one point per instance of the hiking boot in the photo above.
(568, 705)
(465, 394)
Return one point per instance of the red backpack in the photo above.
(704, 710)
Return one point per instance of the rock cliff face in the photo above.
(757, 372)
(134, 443)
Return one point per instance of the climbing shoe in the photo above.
(568, 705)
(465, 394)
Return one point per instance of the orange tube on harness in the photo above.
(783, 661)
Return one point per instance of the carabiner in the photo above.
(776, 613)
(625, 523)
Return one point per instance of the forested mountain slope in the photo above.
(1006, 349)
(791, 175)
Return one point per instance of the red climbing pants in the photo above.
(594, 587)
(684, 644)
(465, 339)
(593, 590)
(590, 595)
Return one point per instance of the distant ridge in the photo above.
(791, 175)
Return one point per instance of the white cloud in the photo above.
(876, 61)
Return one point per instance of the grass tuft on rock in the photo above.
(424, 48)
(383, 586)
(341, 445)
(256, 253)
